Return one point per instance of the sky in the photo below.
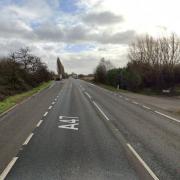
(81, 32)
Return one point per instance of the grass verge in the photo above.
(13, 100)
(147, 92)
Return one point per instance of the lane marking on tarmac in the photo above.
(45, 114)
(142, 162)
(39, 123)
(50, 107)
(146, 107)
(72, 123)
(169, 117)
(134, 102)
(28, 139)
(53, 103)
(100, 110)
(8, 168)
(88, 95)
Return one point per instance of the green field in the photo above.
(13, 100)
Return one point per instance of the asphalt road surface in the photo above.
(73, 131)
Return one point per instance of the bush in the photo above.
(20, 72)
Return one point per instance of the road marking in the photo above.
(8, 168)
(68, 117)
(120, 96)
(101, 111)
(69, 126)
(142, 162)
(88, 95)
(28, 139)
(55, 99)
(135, 102)
(39, 123)
(146, 107)
(126, 99)
(53, 103)
(91, 84)
(71, 122)
(57, 96)
(50, 107)
(45, 114)
(169, 117)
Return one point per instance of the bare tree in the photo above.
(159, 55)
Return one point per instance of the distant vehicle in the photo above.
(75, 76)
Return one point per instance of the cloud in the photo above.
(81, 34)
(102, 18)
(117, 38)
(52, 28)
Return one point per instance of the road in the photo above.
(76, 130)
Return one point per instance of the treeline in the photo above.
(21, 71)
(154, 63)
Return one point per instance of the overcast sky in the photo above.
(80, 32)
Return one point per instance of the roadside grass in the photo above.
(111, 88)
(13, 100)
(147, 91)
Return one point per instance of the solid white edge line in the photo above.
(101, 111)
(146, 107)
(8, 168)
(142, 162)
(39, 123)
(169, 117)
(28, 139)
(50, 107)
(88, 95)
(45, 114)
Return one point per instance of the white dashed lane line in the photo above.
(39, 123)
(45, 114)
(8, 168)
(134, 102)
(101, 110)
(169, 117)
(50, 107)
(53, 103)
(146, 107)
(88, 95)
(28, 139)
(142, 162)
